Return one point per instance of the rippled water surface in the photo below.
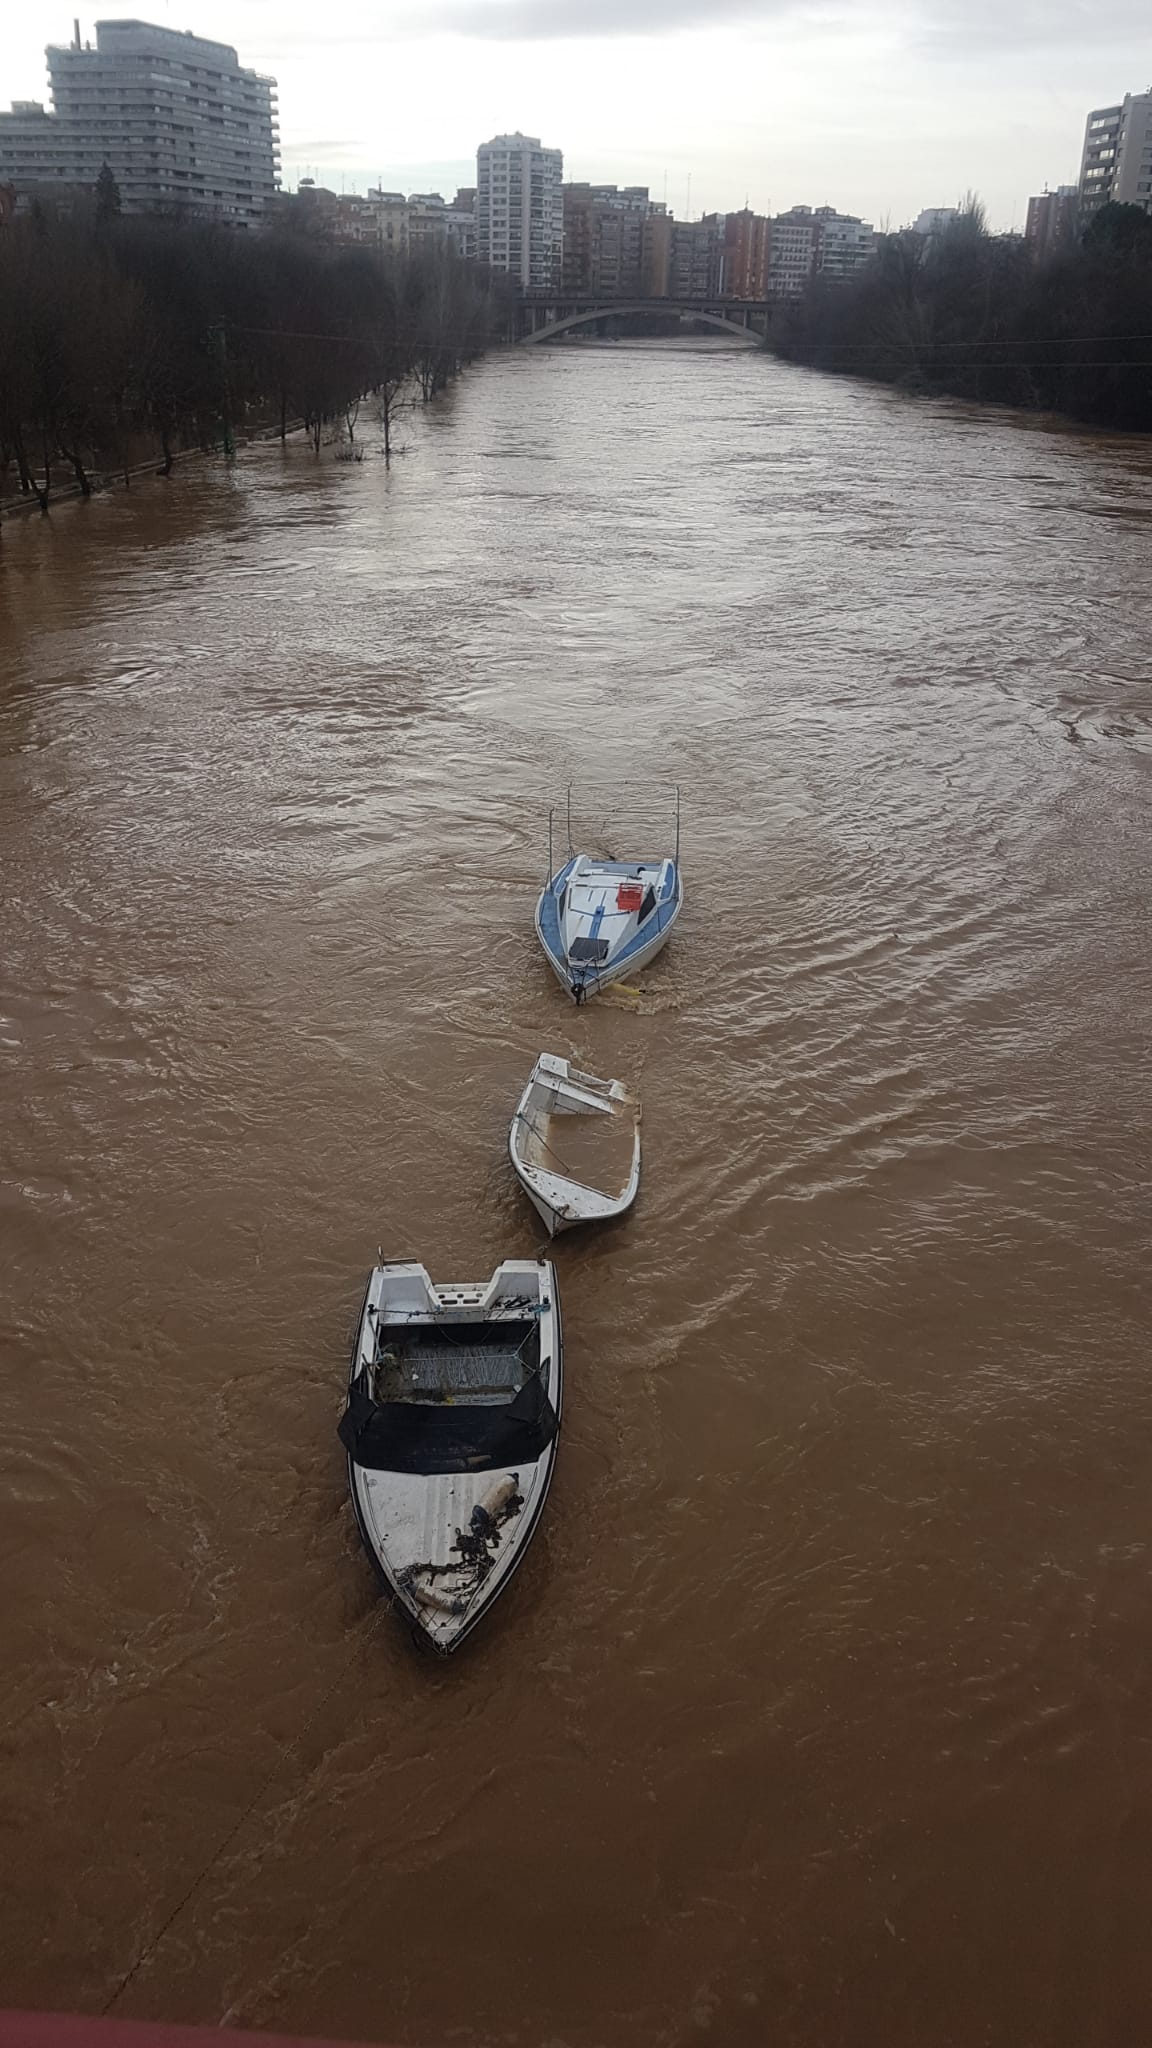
(819, 1715)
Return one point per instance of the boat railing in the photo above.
(614, 790)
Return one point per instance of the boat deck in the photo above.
(429, 1364)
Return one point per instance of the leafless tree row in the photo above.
(123, 339)
(973, 315)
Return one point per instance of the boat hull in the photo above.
(559, 1220)
(557, 1099)
(639, 951)
(411, 1520)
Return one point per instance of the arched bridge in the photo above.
(542, 321)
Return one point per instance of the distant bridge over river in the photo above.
(541, 318)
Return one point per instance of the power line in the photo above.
(351, 340)
(1016, 363)
(1002, 341)
(910, 348)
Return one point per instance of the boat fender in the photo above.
(428, 1596)
(499, 1504)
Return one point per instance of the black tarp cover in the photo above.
(435, 1437)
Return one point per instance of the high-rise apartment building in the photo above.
(793, 252)
(845, 242)
(721, 256)
(178, 121)
(616, 242)
(697, 260)
(747, 237)
(807, 242)
(1117, 160)
(519, 209)
(1051, 222)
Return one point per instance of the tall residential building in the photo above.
(177, 120)
(747, 237)
(793, 252)
(519, 209)
(697, 258)
(616, 242)
(845, 242)
(1117, 160)
(721, 256)
(809, 242)
(1051, 222)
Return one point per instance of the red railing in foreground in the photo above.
(63, 2030)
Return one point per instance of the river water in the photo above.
(820, 1714)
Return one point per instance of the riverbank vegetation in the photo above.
(971, 314)
(124, 341)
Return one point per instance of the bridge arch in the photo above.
(586, 318)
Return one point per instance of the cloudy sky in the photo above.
(879, 107)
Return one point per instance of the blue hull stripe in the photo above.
(548, 918)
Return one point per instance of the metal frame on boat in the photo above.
(556, 1096)
(601, 918)
(454, 1404)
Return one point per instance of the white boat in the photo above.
(575, 1144)
(451, 1427)
(599, 919)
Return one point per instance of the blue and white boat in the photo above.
(601, 919)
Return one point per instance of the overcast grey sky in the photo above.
(879, 107)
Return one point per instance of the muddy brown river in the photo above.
(820, 1715)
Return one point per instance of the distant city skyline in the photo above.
(880, 109)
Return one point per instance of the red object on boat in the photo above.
(629, 896)
(68, 2030)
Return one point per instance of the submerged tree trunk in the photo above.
(44, 495)
(72, 455)
(27, 481)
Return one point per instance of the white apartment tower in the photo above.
(177, 120)
(520, 209)
(1117, 160)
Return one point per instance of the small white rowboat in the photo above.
(451, 1426)
(575, 1144)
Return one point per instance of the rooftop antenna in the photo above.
(76, 33)
(688, 200)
